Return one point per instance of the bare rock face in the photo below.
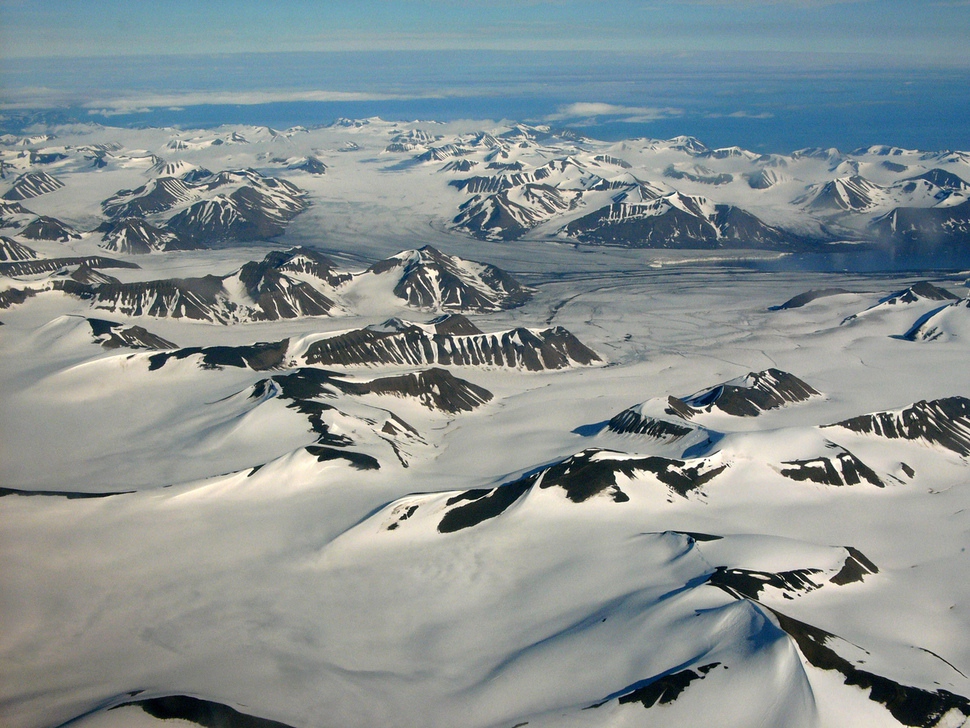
(582, 476)
(49, 228)
(401, 342)
(751, 395)
(273, 291)
(747, 396)
(114, 335)
(436, 389)
(39, 266)
(32, 184)
(943, 422)
(11, 250)
(839, 468)
(925, 230)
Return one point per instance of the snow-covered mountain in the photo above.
(945, 323)
(135, 236)
(258, 291)
(32, 184)
(746, 396)
(455, 517)
(232, 206)
(676, 221)
(428, 278)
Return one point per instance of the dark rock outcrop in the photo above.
(405, 343)
(943, 422)
(32, 184)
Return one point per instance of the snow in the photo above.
(283, 593)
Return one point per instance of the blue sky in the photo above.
(933, 31)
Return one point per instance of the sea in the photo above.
(763, 102)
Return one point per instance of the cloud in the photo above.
(131, 102)
(126, 104)
(632, 114)
(742, 115)
(120, 111)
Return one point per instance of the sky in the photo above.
(929, 31)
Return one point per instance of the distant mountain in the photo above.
(233, 206)
(751, 395)
(404, 343)
(309, 164)
(428, 278)
(39, 266)
(176, 168)
(158, 195)
(136, 236)
(509, 214)
(855, 194)
(837, 467)
(246, 214)
(766, 178)
(943, 179)
(438, 154)
(919, 230)
(299, 261)
(268, 290)
(11, 250)
(700, 175)
(202, 299)
(278, 295)
(803, 299)
(436, 389)
(32, 184)
(49, 228)
(14, 215)
(15, 296)
(677, 221)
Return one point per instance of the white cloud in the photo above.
(742, 115)
(240, 98)
(139, 102)
(119, 111)
(632, 114)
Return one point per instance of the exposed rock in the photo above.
(428, 278)
(841, 468)
(32, 184)
(49, 228)
(114, 335)
(943, 422)
(135, 236)
(751, 395)
(205, 713)
(11, 250)
(407, 343)
(803, 299)
(259, 356)
(49, 265)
